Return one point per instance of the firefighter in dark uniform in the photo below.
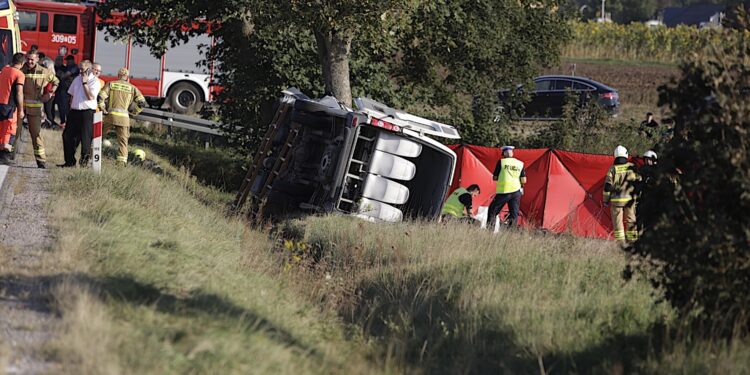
(116, 100)
(647, 174)
(459, 204)
(510, 176)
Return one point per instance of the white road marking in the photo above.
(3, 173)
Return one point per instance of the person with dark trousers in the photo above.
(83, 92)
(49, 106)
(67, 74)
(459, 204)
(510, 176)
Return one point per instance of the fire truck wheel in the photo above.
(185, 97)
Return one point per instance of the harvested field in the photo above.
(636, 82)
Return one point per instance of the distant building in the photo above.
(699, 15)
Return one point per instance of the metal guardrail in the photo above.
(180, 121)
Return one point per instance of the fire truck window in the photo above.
(4, 4)
(43, 22)
(143, 65)
(184, 58)
(65, 24)
(111, 53)
(27, 21)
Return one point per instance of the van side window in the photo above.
(43, 22)
(65, 24)
(27, 21)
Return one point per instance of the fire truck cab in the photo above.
(62, 29)
(10, 40)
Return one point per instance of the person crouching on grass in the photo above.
(459, 205)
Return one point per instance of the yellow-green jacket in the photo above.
(116, 99)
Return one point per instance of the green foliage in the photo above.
(589, 128)
(737, 17)
(432, 58)
(697, 232)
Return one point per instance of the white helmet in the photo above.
(650, 154)
(621, 152)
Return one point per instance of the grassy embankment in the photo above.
(154, 278)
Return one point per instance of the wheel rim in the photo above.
(186, 98)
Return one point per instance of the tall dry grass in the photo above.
(159, 280)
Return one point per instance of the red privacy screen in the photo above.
(563, 192)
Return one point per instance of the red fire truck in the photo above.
(61, 29)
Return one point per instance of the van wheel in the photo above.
(185, 98)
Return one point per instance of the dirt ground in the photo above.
(637, 83)
(27, 319)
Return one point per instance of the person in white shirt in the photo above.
(80, 123)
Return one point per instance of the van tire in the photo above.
(185, 98)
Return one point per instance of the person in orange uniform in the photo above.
(12, 80)
(35, 93)
(115, 101)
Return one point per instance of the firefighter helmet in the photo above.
(140, 154)
(621, 152)
(650, 154)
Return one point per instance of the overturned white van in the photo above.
(374, 162)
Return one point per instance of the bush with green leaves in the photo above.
(696, 241)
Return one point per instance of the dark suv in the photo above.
(374, 162)
(548, 98)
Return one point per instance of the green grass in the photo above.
(176, 287)
(153, 278)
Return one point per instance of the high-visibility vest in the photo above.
(453, 206)
(509, 180)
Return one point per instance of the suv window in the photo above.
(43, 22)
(563, 84)
(65, 24)
(543, 85)
(27, 21)
(581, 86)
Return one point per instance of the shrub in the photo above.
(696, 211)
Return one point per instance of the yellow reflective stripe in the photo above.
(622, 199)
(35, 75)
(120, 87)
(632, 235)
(122, 158)
(622, 168)
(619, 234)
(33, 105)
(118, 114)
(39, 152)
